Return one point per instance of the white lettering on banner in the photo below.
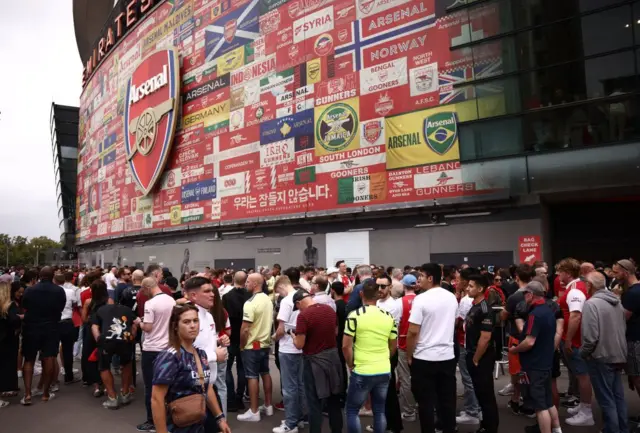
(447, 189)
(397, 48)
(150, 86)
(280, 152)
(367, 8)
(232, 184)
(313, 24)
(388, 20)
(283, 199)
(363, 161)
(351, 154)
(383, 76)
(437, 178)
(216, 209)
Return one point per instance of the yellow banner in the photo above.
(337, 127)
(175, 215)
(422, 137)
(213, 117)
(230, 61)
(166, 27)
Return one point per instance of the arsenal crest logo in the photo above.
(372, 131)
(366, 6)
(230, 28)
(150, 116)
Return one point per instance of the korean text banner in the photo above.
(284, 107)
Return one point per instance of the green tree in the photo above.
(19, 250)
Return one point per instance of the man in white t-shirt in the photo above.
(155, 338)
(199, 291)
(387, 302)
(430, 351)
(290, 359)
(111, 279)
(227, 285)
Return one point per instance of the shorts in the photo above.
(555, 371)
(537, 393)
(513, 358)
(105, 354)
(633, 358)
(43, 340)
(576, 364)
(255, 362)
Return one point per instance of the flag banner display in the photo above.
(212, 111)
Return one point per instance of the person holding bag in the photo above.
(181, 387)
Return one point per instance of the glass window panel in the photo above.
(490, 139)
(498, 97)
(473, 24)
(606, 31)
(635, 22)
(69, 152)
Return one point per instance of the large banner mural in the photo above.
(218, 111)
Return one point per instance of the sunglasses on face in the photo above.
(383, 286)
(497, 280)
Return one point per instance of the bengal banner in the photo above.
(423, 137)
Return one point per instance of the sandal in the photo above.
(3, 404)
(25, 401)
(51, 397)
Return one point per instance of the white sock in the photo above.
(556, 430)
(586, 408)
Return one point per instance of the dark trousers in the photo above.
(482, 378)
(433, 384)
(147, 376)
(314, 405)
(234, 394)
(210, 423)
(392, 405)
(68, 337)
(90, 372)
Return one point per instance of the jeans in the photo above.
(470, 405)
(607, 386)
(315, 404)
(221, 385)
(291, 375)
(147, 376)
(434, 386)
(68, 336)
(482, 377)
(359, 388)
(234, 395)
(407, 402)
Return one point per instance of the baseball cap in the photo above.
(409, 280)
(299, 296)
(534, 288)
(332, 270)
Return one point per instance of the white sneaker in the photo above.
(465, 418)
(409, 417)
(581, 419)
(267, 410)
(20, 373)
(61, 371)
(249, 416)
(365, 412)
(507, 390)
(574, 410)
(282, 428)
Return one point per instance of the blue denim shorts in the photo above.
(578, 364)
(256, 363)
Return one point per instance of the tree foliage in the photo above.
(23, 251)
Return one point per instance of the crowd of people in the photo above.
(377, 342)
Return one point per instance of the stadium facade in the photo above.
(246, 133)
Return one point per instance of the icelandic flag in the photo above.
(235, 29)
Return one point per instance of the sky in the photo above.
(40, 65)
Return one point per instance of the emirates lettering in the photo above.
(404, 140)
(392, 18)
(336, 97)
(149, 86)
(398, 48)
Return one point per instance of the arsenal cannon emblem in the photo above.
(151, 115)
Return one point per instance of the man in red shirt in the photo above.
(315, 334)
(407, 402)
(571, 303)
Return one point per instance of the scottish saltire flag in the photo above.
(232, 30)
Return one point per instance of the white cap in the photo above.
(332, 270)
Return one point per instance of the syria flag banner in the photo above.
(150, 116)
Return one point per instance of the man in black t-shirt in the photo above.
(479, 325)
(114, 328)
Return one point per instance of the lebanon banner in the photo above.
(422, 137)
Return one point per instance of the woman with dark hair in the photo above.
(99, 298)
(183, 371)
(223, 326)
(9, 327)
